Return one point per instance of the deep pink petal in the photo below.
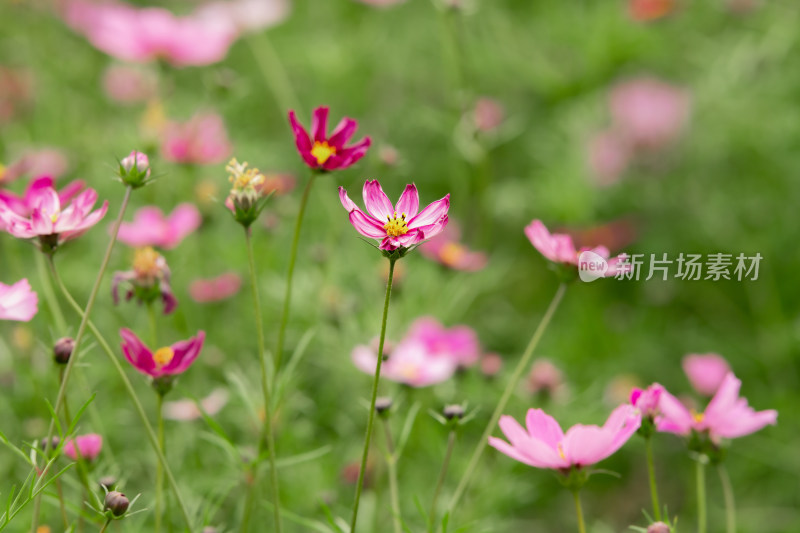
(366, 225)
(432, 214)
(319, 124)
(408, 203)
(346, 201)
(342, 133)
(137, 353)
(301, 138)
(376, 201)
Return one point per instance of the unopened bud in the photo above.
(383, 404)
(109, 482)
(453, 411)
(117, 503)
(54, 442)
(134, 170)
(63, 350)
(658, 527)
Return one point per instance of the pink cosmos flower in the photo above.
(706, 372)
(727, 415)
(146, 34)
(215, 289)
(411, 362)
(491, 364)
(129, 84)
(647, 400)
(247, 15)
(18, 301)
(559, 248)
(43, 162)
(447, 250)
(202, 140)
(23, 205)
(324, 152)
(608, 157)
(167, 361)
(151, 228)
(545, 377)
(49, 222)
(404, 224)
(544, 445)
(459, 344)
(187, 410)
(89, 447)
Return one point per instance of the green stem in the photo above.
(112, 357)
(579, 511)
(50, 296)
(651, 472)
(61, 505)
(391, 466)
(159, 470)
(78, 338)
(105, 526)
(269, 62)
(451, 442)
(700, 471)
(287, 297)
(265, 387)
(83, 475)
(522, 366)
(371, 416)
(730, 503)
(151, 315)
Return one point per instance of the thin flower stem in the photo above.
(391, 466)
(451, 442)
(376, 380)
(62, 391)
(269, 62)
(151, 315)
(523, 364)
(730, 503)
(651, 472)
(700, 471)
(151, 435)
(83, 475)
(579, 511)
(159, 470)
(287, 297)
(265, 387)
(50, 296)
(61, 505)
(105, 526)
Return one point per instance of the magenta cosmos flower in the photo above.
(706, 372)
(647, 400)
(559, 248)
(52, 222)
(400, 226)
(459, 344)
(411, 362)
(322, 152)
(18, 302)
(167, 361)
(89, 447)
(544, 445)
(202, 140)
(727, 415)
(151, 228)
(446, 249)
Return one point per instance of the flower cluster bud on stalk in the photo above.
(246, 199)
(134, 170)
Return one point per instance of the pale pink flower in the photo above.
(23, 205)
(410, 362)
(544, 445)
(491, 364)
(151, 228)
(559, 248)
(215, 289)
(648, 112)
(129, 84)
(647, 400)
(446, 249)
(187, 410)
(400, 226)
(608, 157)
(18, 301)
(459, 344)
(706, 372)
(89, 447)
(545, 377)
(202, 140)
(247, 15)
(727, 415)
(488, 114)
(44, 162)
(381, 3)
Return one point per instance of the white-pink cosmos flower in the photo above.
(400, 226)
(543, 444)
(411, 362)
(559, 248)
(18, 302)
(706, 372)
(459, 343)
(727, 415)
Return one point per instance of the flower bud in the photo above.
(117, 503)
(63, 350)
(382, 405)
(134, 170)
(246, 192)
(54, 442)
(453, 411)
(658, 527)
(109, 482)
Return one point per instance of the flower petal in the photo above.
(346, 201)
(376, 201)
(319, 124)
(342, 133)
(365, 225)
(408, 203)
(431, 214)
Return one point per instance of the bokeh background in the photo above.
(518, 109)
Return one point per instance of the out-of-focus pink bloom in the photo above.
(187, 410)
(545, 377)
(323, 152)
(167, 361)
(608, 157)
(278, 183)
(202, 140)
(488, 114)
(148, 281)
(18, 301)
(49, 222)
(44, 162)
(410, 362)
(151, 228)
(381, 3)
(706, 372)
(544, 445)
(388, 155)
(647, 400)
(447, 250)
(649, 113)
(16, 91)
(129, 84)
(133, 34)
(23, 205)
(614, 235)
(658, 527)
(400, 226)
(89, 447)
(247, 15)
(727, 415)
(459, 344)
(648, 10)
(491, 364)
(215, 289)
(559, 248)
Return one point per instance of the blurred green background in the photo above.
(410, 74)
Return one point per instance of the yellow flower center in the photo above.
(396, 226)
(54, 217)
(561, 452)
(451, 253)
(2, 171)
(697, 417)
(322, 151)
(243, 178)
(163, 356)
(147, 263)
